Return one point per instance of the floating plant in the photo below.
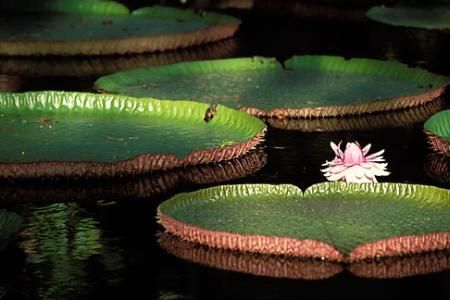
(331, 220)
(437, 129)
(69, 27)
(308, 86)
(72, 134)
(73, 7)
(303, 268)
(425, 17)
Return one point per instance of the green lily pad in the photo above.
(83, 7)
(427, 17)
(437, 129)
(82, 134)
(336, 221)
(308, 86)
(107, 32)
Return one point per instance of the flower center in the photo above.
(353, 154)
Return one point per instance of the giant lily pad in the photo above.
(426, 17)
(303, 268)
(437, 129)
(336, 221)
(89, 135)
(308, 86)
(77, 7)
(111, 30)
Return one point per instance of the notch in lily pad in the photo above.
(336, 221)
(310, 86)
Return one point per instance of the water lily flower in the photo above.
(354, 164)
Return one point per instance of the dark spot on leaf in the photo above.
(210, 112)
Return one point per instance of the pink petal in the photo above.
(374, 155)
(366, 149)
(337, 149)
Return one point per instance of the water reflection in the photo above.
(61, 241)
(303, 268)
(303, 9)
(10, 83)
(116, 189)
(419, 47)
(437, 167)
(121, 244)
(391, 119)
(10, 223)
(98, 66)
(261, 265)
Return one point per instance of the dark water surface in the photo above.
(98, 240)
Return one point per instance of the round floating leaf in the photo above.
(309, 86)
(183, 15)
(336, 221)
(426, 17)
(437, 129)
(83, 7)
(81, 134)
(146, 30)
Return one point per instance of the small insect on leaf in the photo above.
(210, 112)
